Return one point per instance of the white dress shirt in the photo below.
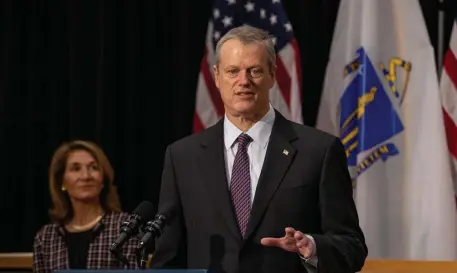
(257, 148)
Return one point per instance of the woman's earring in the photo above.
(63, 188)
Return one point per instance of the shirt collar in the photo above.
(260, 132)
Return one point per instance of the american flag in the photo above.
(449, 100)
(269, 15)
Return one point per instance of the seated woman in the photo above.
(86, 214)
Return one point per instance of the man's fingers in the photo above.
(303, 243)
(269, 241)
(298, 235)
(301, 239)
(293, 241)
(305, 251)
(290, 232)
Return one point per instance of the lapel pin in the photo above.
(286, 152)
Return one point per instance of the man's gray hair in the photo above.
(249, 35)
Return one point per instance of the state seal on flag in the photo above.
(368, 117)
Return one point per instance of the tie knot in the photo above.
(243, 140)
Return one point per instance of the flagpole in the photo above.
(440, 36)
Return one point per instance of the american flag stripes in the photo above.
(448, 88)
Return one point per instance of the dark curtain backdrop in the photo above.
(122, 74)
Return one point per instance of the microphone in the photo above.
(144, 212)
(153, 229)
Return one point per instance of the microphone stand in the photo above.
(120, 257)
(144, 258)
(142, 255)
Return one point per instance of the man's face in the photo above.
(244, 78)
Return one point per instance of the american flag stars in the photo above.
(263, 14)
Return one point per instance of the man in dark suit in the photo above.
(256, 192)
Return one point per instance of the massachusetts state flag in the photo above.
(381, 97)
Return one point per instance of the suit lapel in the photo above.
(212, 165)
(279, 156)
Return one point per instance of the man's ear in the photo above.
(273, 72)
(216, 75)
(273, 76)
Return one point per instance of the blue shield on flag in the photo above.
(368, 117)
